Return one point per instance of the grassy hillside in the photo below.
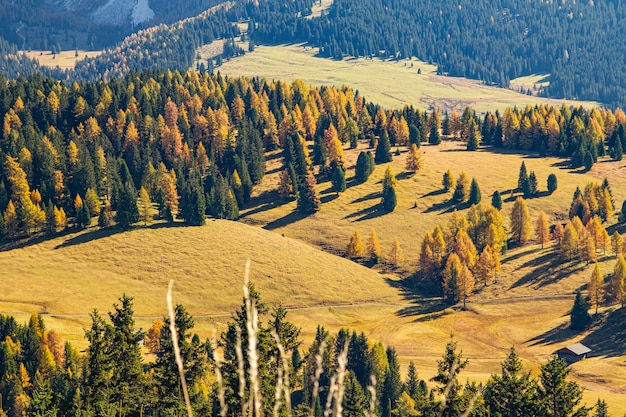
(527, 307)
(391, 84)
(68, 276)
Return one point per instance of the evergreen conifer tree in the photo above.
(383, 149)
(580, 318)
(475, 196)
(496, 200)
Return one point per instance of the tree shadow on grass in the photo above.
(290, 218)
(444, 206)
(519, 253)
(101, 233)
(367, 213)
(425, 303)
(370, 196)
(405, 175)
(607, 336)
(559, 334)
(434, 193)
(10, 245)
(329, 196)
(263, 202)
(548, 269)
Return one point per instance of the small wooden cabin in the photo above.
(573, 353)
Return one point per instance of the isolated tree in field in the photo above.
(413, 159)
(145, 206)
(496, 200)
(556, 396)
(513, 393)
(579, 317)
(461, 191)
(339, 179)
(435, 137)
(383, 149)
(390, 183)
(373, 247)
(308, 196)
(542, 229)
(520, 221)
(364, 167)
(523, 177)
(355, 247)
(569, 242)
(617, 242)
(617, 280)
(474, 195)
(396, 255)
(448, 181)
(596, 287)
(552, 183)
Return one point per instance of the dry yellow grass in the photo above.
(389, 83)
(65, 59)
(68, 276)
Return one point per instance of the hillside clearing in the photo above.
(64, 59)
(391, 84)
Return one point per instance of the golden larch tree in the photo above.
(569, 242)
(373, 247)
(618, 243)
(396, 255)
(355, 247)
(520, 221)
(542, 229)
(145, 206)
(413, 159)
(596, 287)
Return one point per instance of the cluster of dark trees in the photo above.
(39, 375)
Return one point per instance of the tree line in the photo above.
(256, 367)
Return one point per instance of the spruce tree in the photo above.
(362, 169)
(552, 183)
(475, 196)
(448, 181)
(512, 393)
(579, 317)
(555, 395)
(383, 149)
(127, 210)
(339, 179)
(392, 384)
(523, 177)
(435, 137)
(389, 199)
(308, 196)
(496, 200)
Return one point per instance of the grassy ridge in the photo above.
(391, 84)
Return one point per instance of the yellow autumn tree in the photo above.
(396, 255)
(145, 206)
(618, 243)
(520, 221)
(569, 242)
(355, 247)
(542, 229)
(413, 159)
(617, 280)
(373, 247)
(596, 287)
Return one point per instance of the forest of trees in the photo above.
(256, 367)
(196, 143)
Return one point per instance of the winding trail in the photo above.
(17, 32)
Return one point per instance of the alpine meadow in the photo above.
(312, 208)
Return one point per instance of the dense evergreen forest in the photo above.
(196, 143)
(257, 367)
(486, 40)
